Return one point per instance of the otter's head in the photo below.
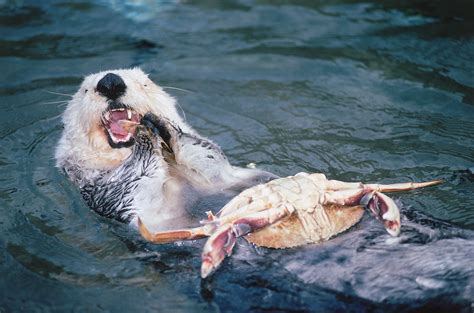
(93, 135)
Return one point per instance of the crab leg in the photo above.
(175, 235)
(380, 205)
(340, 185)
(402, 186)
(222, 241)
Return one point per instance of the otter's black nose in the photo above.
(111, 86)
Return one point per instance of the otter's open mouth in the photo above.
(118, 135)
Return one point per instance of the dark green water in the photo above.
(373, 91)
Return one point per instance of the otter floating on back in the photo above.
(123, 174)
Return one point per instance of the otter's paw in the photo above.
(160, 126)
(144, 140)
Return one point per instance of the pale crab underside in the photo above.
(289, 212)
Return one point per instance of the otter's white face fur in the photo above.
(93, 137)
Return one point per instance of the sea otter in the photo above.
(154, 171)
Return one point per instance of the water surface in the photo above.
(373, 91)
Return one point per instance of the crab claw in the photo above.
(217, 247)
(384, 209)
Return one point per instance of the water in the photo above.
(358, 90)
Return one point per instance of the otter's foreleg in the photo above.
(112, 194)
(203, 159)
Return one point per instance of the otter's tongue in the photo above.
(115, 128)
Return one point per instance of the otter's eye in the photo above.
(145, 85)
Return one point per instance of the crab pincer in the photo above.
(384, 209)
(221, 243)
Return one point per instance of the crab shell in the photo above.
(311, 223)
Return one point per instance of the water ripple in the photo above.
(373, 91)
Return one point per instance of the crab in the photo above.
(289, 212)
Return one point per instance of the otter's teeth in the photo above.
(129, 114)
(107, 116)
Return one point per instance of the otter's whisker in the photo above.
(59, 94)
(56, 116)
(182, 111)
(55, 102)
(176, 88)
